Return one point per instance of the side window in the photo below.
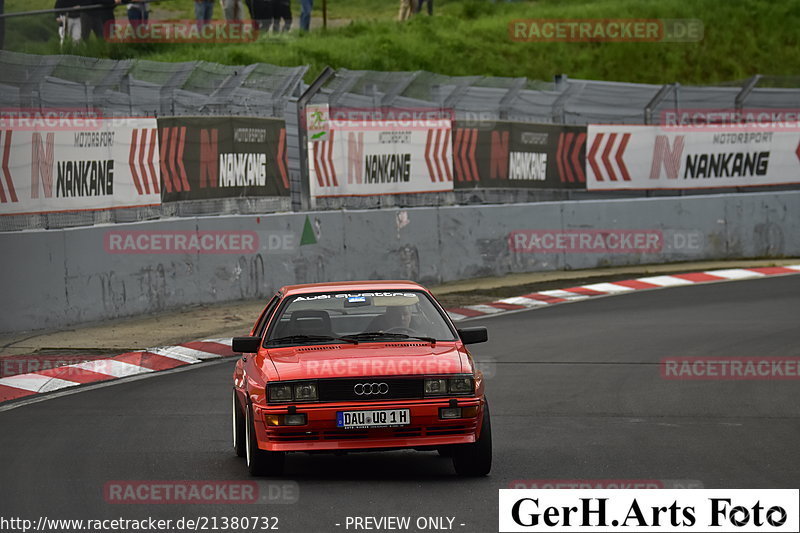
(264, 319)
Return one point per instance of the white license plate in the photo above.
(383, 418)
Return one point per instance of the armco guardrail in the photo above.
(512, 139)
(54, 279)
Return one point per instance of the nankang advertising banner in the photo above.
(369, 152)
(519, 155)
(77, 164)
(664, 157)
(222, 157)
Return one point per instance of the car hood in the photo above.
(366, 359)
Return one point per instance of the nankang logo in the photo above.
(366, 389)
(704, 165)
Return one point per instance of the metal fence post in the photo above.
(558, 113)
(747, 88)
(511, 96)
(302, 136)
(655, 102)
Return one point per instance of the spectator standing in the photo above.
(96, 20)
(138, 13)
(419, 6)
(262, 12)
(69, 23)
(283, 11)
(203, 11)
(305, 14)
(233, 9)
(407, 7)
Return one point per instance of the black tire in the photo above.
(475, 460)
(237, 420)
(446, 451)
(260, 462)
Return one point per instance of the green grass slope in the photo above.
(470, 37)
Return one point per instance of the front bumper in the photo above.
(321, 432)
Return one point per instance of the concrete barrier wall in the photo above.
(52, 279)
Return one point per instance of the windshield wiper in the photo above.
(309, 338)
(382, 334)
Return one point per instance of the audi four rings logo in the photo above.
(364, 389)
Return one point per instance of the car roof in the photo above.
(373, 285)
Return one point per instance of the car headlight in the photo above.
(435, 387)
(445, 386)
(298, 391)
(280, 393)
(305, 391)
(464, 385)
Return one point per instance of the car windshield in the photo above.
(355, 317)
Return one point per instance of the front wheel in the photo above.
(260, 462)
(475, 460)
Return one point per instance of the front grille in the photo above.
(292, 436)
(448, 430)
(337, 390)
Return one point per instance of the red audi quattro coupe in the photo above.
(358, 366)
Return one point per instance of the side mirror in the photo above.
(473, 335)
(246, 344)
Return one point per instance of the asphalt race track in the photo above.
(576, 393)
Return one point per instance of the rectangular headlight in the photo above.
(305, 391)
(461, 385)
(280, 393)
(435, 387)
